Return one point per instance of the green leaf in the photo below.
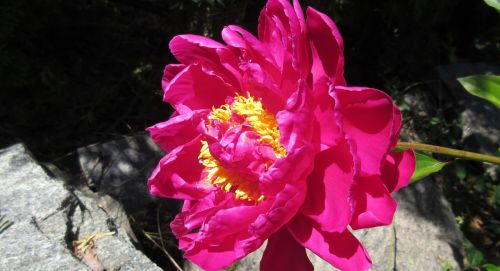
(460, 172)
(425, 166)
(494, 4)
(483, 86)
(473, 255)
(491, 267)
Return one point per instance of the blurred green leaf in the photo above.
(494, 4)
(494, 195)
(435, 121)
(491, 267)
(460, 172)
(425, 166)
(483, 86)
(446, 266)
(234, 266)
(473, 255)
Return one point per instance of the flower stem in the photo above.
(451, 152)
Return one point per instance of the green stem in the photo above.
(452, 152)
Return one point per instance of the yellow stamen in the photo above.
(262, 122)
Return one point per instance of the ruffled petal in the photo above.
(224, 237)
(195, 212)
(293, 168)
(216, 257)
(174, 178)
(340, 249)
(278, 23)
(189, 49)
(251, 48)
(240, 152)
(261, 76)
(368, 118)
(283, 253)
(327, 48)
(329, 188)
(373, 205)
(301, 45)
(326, 129)
(283, 208)
(212, 55)
(281, 30)
(398, 169)
(229, 222)
(296, 120)
(170, 71)
(178, 130)
(260, 84)
(195, 89)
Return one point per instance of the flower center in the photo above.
(241, 111)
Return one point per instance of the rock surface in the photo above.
(423, 236)
(120, 168)
(47, 218)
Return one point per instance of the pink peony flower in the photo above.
(268, 143)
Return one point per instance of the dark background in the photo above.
(83, 71)
(77, 72)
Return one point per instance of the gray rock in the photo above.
(423, 236)
(426, 234)
(47, 218)
(120, 168)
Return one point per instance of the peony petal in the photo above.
(398, 169)
(178, 130)
(283, 32)
(283, 253)
(342, 250)
(296, 120)
(326, 128)
(174, 178)
(195, 89)
(255, 62)
(327, 48)
(212, 55)
(228, 222)
(291, 169)
(240, 152)
(252, 48)
(170, 71)
(373, 205)
(329, 188)
(195, 212)
(260, 84)
(283, 208)
(367, 116)
(277, 23)
(189, 49)
(216, 257)
(225, 238)
(301, 45)
(300, 14)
